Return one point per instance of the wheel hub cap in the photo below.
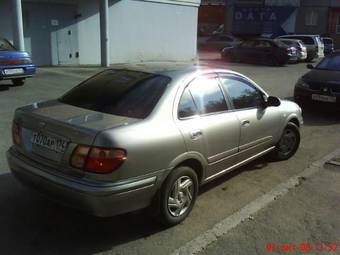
(180, 196)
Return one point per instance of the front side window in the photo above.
(119, 92)
(243, 95)
(207, 95)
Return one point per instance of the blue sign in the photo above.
(261, 20)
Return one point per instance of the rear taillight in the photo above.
(16, 133)
(97, 159)
(11, 61)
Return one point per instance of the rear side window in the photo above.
(6, 45)
(207, 95)
(248, 44)
(243, 95)
(186, 107)
(119, 92)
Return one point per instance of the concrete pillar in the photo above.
(104, 33)
(18, 29)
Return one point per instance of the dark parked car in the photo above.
(14, 65)
(322, 83)
(264, 51)
(329, 45)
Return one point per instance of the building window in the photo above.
(311, 18)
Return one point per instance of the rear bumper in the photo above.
(97, 198)
(293, 59)
(29, 71)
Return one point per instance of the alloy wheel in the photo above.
(180, 196)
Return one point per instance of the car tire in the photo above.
(177, 196)
(288, 144)
(18, 82)
(309, 59)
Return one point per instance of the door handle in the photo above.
(245, 123)
(195, 134)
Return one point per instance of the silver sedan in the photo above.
(124, 139)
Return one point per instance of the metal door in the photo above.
(51, 33)
(64, 34)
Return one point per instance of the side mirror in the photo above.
(310, 66)
(273, 101)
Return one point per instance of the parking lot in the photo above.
(30, 224)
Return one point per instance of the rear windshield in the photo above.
(6, 45)
(119, 92)
(330, 63)
(289, 43)
(304, 39)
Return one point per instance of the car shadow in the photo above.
(319, 114)
(31, 224)
(6, 85)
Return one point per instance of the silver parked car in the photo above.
(125, 139)
(313, 43)
(300, 47)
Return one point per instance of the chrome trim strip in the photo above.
(256, 142)
(222, 155)
(238, 164)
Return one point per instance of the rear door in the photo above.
(207, 125)
(259, 125)
(263, 51)
(245, 51)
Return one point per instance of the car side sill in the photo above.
(210, 178)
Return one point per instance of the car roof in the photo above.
(175, 71)
(300, 35)
(289, 39)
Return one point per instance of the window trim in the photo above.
(244, 80)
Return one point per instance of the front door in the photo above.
(206, 124)
(259, 124)
(65, 34)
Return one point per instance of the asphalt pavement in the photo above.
(30, 224)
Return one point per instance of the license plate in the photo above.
(14, 71)
(323, 98)
(54, 144)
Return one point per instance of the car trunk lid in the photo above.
(51, 130)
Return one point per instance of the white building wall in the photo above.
(89, 33)
(149, 31)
